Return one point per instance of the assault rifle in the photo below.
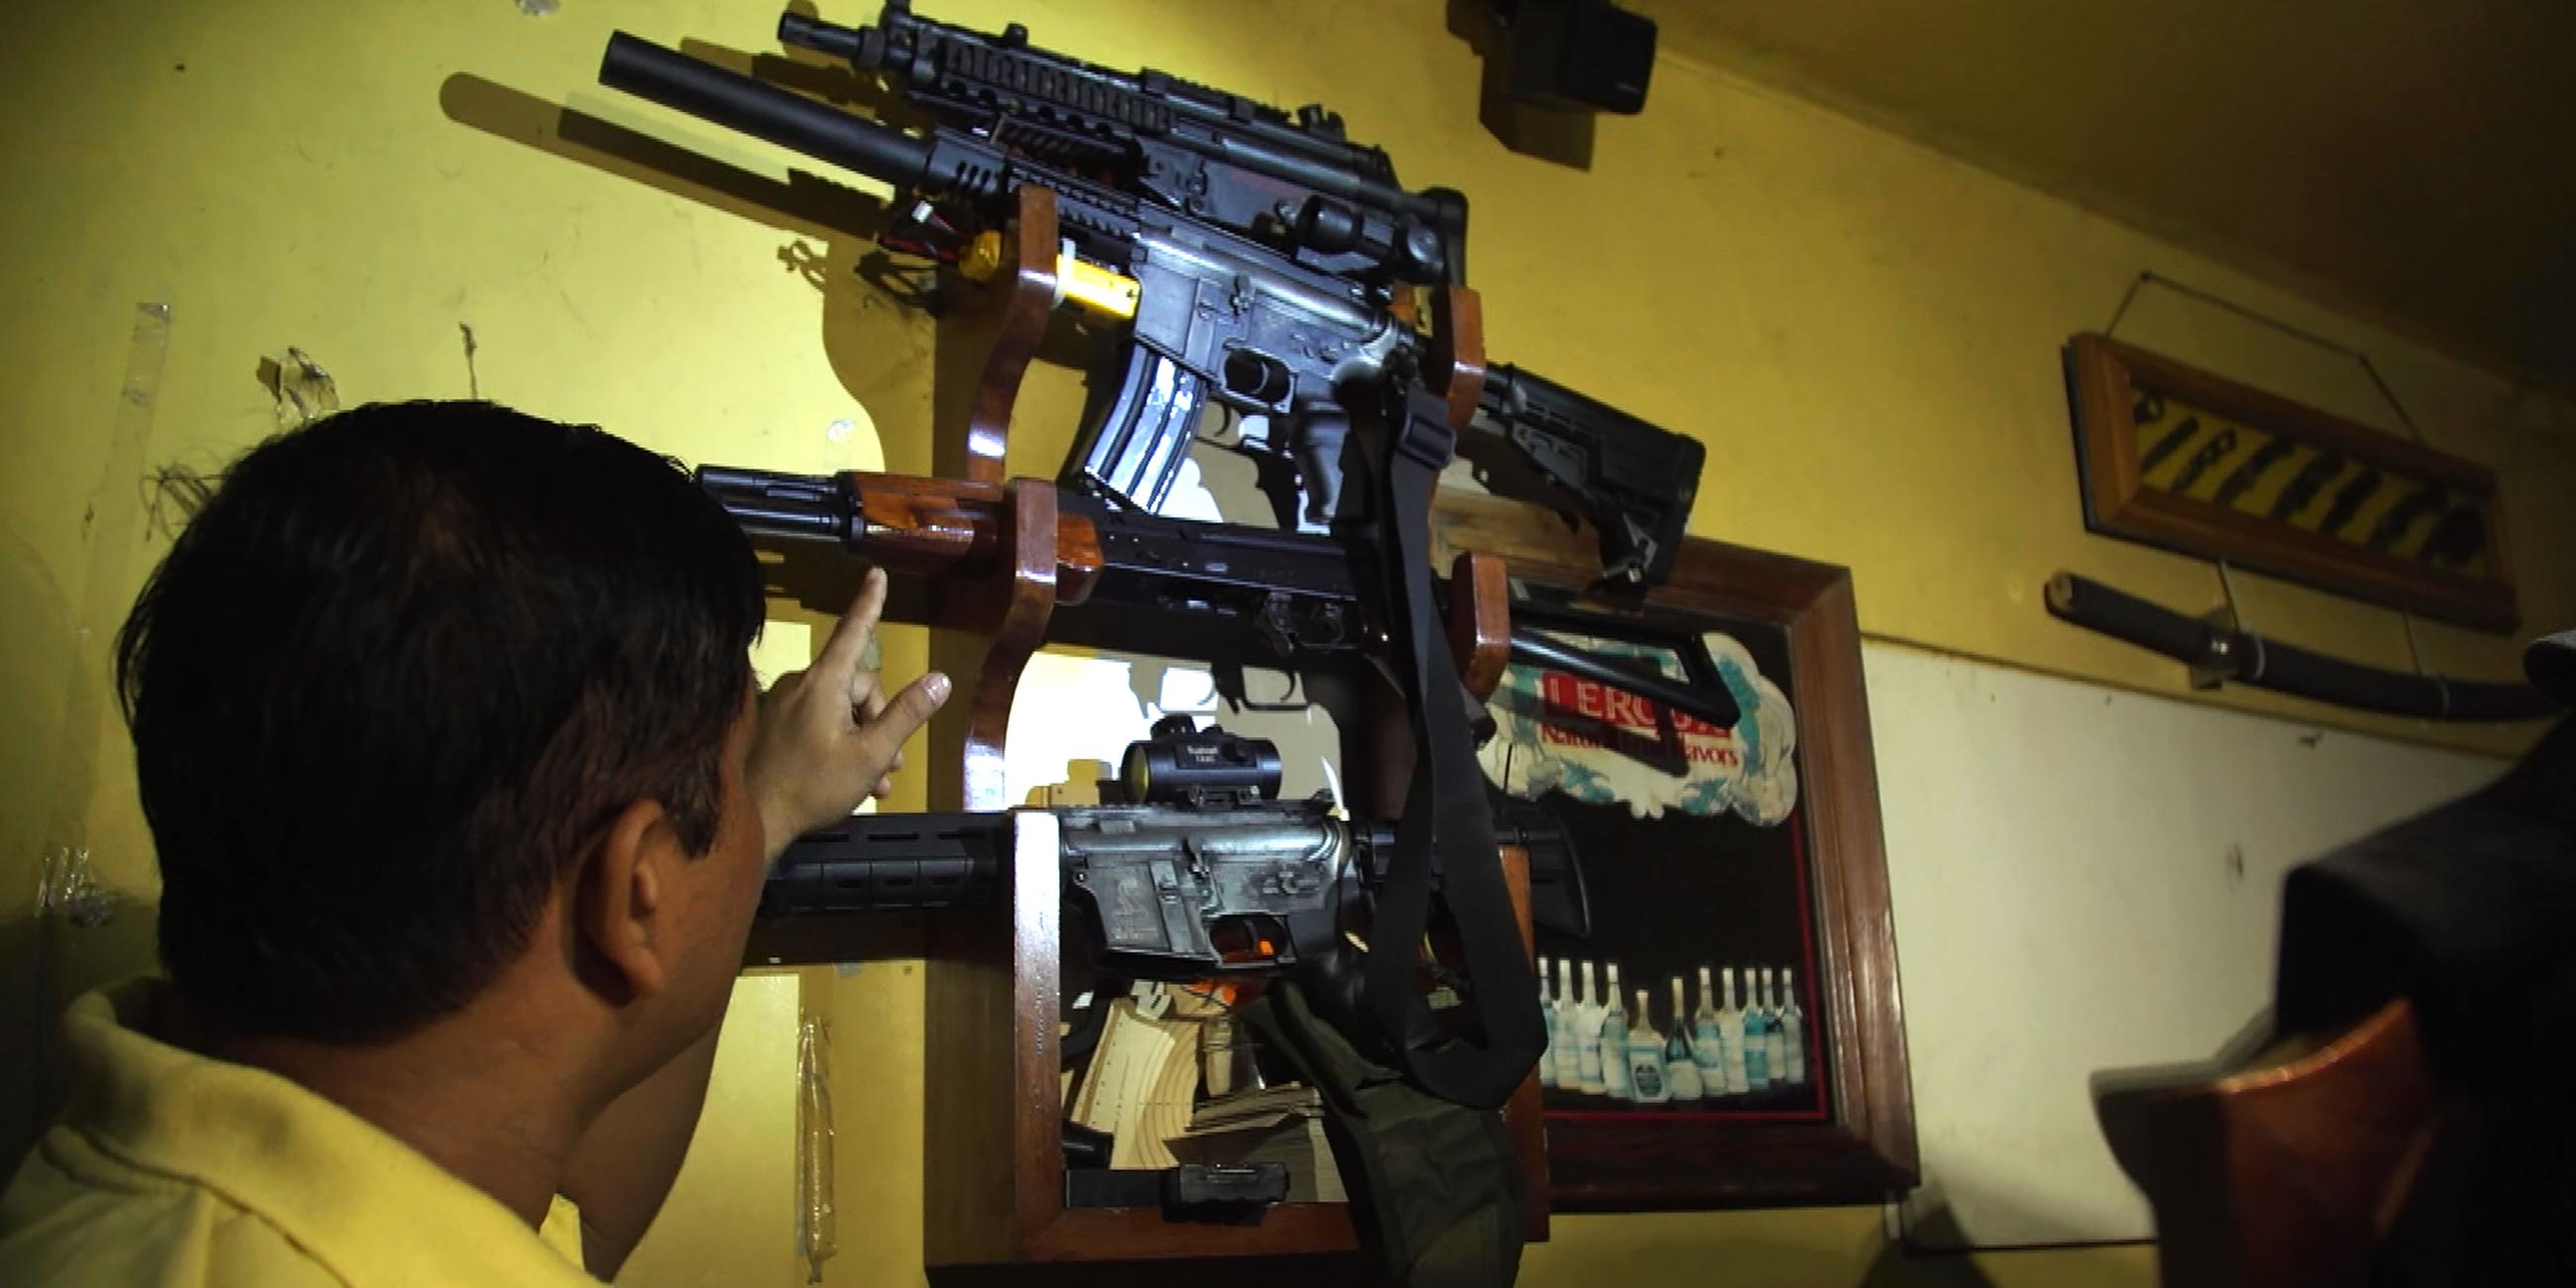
(1138, 582)
(1202, 872)
(1256, 260)
(1294, 182)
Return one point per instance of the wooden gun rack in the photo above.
(993, 1169)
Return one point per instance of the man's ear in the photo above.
(622, 897)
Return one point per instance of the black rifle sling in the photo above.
(1445, 805)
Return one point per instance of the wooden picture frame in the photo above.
(2226, 471)
(1861, 1146)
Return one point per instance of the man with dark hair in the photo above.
(446, 731)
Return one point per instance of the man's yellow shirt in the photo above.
(175, 1169)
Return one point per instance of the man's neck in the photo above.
(492, 1106)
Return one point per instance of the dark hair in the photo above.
(400, 670)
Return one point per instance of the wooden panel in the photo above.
(1873, 1091)
(1142, 1234)
(1480, 621)
(982, 1022)
(1457, 361)
(2281, 1173)
(998, 331)
(1035, 1110)
(1270, 1269)
(1019, 625)
(968, 1180)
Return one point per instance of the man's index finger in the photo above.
(843, 654)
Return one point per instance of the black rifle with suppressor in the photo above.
(1211, 314)
(1258, 260)
(1294, 182)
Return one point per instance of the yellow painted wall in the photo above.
(1863, 332)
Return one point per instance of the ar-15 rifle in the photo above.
(1202, 872)
(1164, 186)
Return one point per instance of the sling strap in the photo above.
(1446, 822)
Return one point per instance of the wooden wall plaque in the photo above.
(2176, 457)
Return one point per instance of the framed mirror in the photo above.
(1752, 852)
